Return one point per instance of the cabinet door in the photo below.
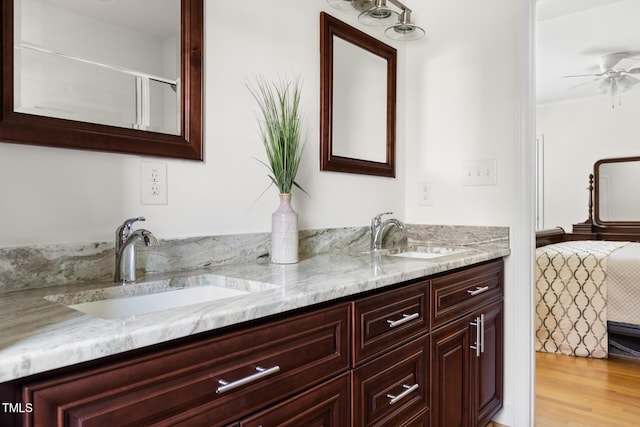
(488, 367)
(451, 378)
(327, 405)
(467, 377)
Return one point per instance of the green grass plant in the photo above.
(280, 129)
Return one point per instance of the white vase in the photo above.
(284, 233)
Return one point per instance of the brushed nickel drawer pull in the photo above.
(261, 373)
(482, 333)
(408, 390)
(405, 318)
(478, 344)
(478, 291)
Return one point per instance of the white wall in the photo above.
(460, 106)
(51, 195)
(576, 135)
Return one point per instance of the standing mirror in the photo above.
(120, 76)
(358, 101)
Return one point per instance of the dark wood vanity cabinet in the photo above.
(467, 349)
(215, 381)
(401, 357)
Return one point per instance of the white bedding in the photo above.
(623, 285)
(579, 286)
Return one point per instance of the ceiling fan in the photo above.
(613, 80)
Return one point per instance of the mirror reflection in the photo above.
(618, 195)
(359, 103)
(107, 62)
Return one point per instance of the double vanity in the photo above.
(407, 336)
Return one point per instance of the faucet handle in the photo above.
(123, 230)
(376, 219)
(126, 225)
(130, 221)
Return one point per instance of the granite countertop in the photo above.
(39, 334)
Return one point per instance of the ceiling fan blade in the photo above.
(585, 75)
(585, 83)
(632, 71)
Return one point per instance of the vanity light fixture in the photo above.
(404, 29)
(341, 4)
(377, 13)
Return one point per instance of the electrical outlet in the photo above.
(425, 194)
(153, 183)
(479, 172)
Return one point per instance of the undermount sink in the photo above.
(429, 252)
(141, 298)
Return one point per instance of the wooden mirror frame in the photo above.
(52, 132)
(330, 27)
(596, 194)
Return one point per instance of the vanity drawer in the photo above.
(182, 386)
(385, 320)
(326, 405)
(457, 294)
(392, 390)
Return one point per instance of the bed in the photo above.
(581, 288)
(588, 281)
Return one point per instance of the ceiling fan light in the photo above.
(626, 83)
(605, 87)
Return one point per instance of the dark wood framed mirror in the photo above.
(616, 195)
(357, 101)
(186, 142)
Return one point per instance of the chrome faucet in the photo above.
(126, 249)
(378, 226)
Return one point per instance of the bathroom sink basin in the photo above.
(429, 252)
(141, 298)
(129, 306)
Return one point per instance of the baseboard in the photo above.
(504, 418)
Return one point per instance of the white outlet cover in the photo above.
(425, 193)
(153, 183)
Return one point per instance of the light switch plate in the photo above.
(479, 172)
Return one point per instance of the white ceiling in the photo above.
(573, 34)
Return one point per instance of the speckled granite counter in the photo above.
(39, 335)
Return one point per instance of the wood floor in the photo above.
(581, 392)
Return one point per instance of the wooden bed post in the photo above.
(587, 226)
(590, 219)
